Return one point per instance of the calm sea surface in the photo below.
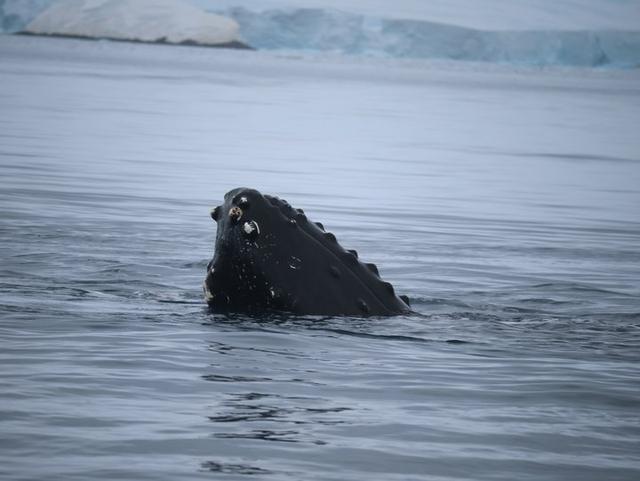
(504, 201)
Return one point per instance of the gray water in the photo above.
(504, 202)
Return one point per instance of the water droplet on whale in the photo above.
(295, 262)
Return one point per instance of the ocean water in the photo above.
(504, 202)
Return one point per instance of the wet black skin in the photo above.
(270, 257)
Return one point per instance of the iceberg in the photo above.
(315, 29)
(158, 21)
(577, 33)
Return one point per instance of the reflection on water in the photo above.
(503, 203)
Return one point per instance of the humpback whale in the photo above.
(271, 257)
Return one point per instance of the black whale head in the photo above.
(269, 256)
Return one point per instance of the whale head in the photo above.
(269, 256)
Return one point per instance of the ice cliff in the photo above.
(170, 21)
(589, 42)
(331, 30)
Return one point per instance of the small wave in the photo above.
(576, 287)
(575, 157)
(234, 469)
(370, 335)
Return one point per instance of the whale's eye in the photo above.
(243, 203)
(251, 229)
(215, 213)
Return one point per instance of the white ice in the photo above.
(357, 34)
(172, 21)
